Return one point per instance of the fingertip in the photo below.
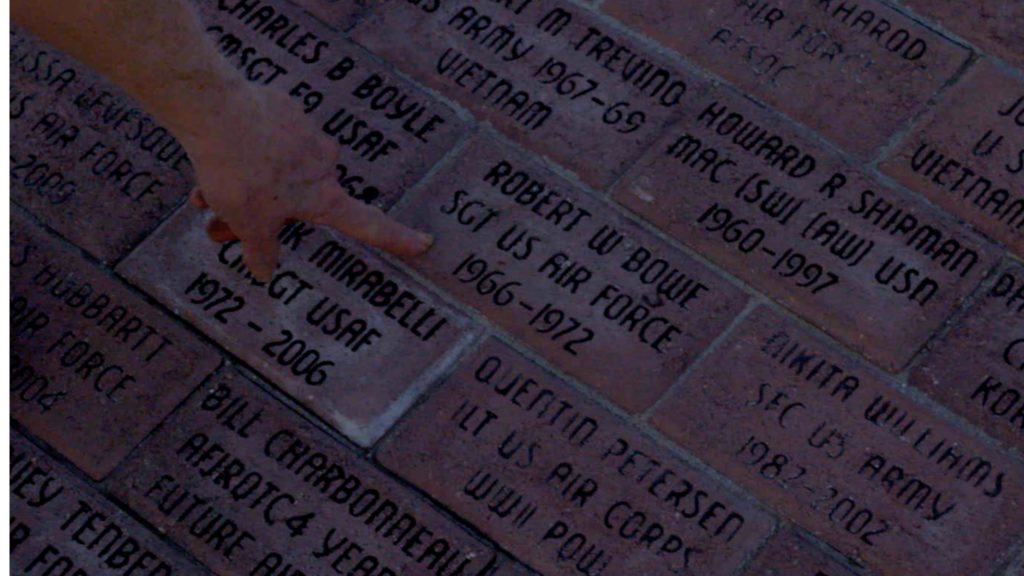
(263, 274)
(402, 242)
(422, 243)
(261, 269)
(196, 199)
(261, 258)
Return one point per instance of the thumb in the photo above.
(261, 253)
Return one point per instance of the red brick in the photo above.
(94, 367)
(874, 266)
(238, 463)
(81, 151)
(593, 293)
(345, 312)
(812, 60)
(526, 67)
(976, 370)
(967, 155)
(996, 26)
(833, 446)
(390, 132)
(563, 484)
(789, 555)
(61, 525)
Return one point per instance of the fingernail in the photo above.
(259, 271)
(426, 240)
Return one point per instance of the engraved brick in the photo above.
(994, 25)
(388, 131)
(563, 484)
(94, 367)
(876, 267)
(855, 71)
(597, 296)
(545, 72)
(790, 555)
(967, 155)
(61, 525)
(248, 487)
(977, 370)
(338, 328)
(833, 446)
(81, 151)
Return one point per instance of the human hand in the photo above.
(262, 163)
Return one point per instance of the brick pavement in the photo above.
(723, 288)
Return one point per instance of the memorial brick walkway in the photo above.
(720, 287)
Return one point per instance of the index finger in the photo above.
(367, 223)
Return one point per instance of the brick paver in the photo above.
(94, 367)
(81, 151)
(593, 293)
(249, 487)
(719, 288)
(790, 555)
(546, 72)
(61, 525)
(968, 154)
(856, 71)
(977, 368)
(388, 131)
(874, 266)
(563, 484)
(326, 328)
(833, 446)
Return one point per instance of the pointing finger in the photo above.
(370, 225)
